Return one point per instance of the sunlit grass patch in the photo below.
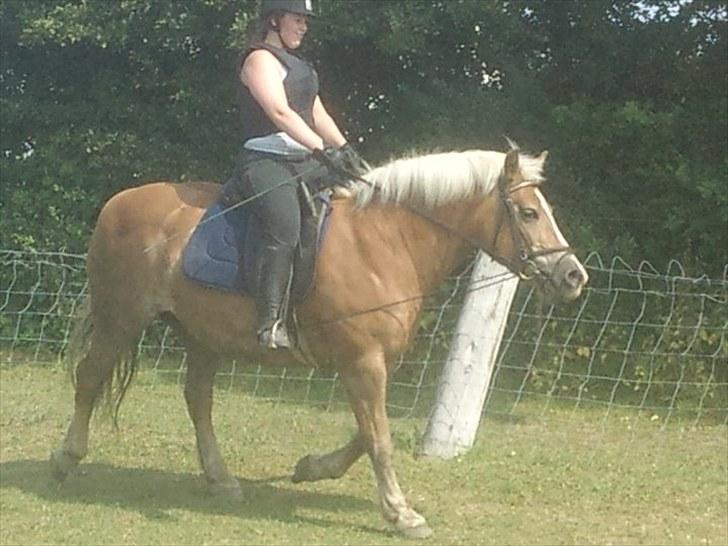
(537, 477)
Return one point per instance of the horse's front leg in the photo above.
(333, 465)
(366, 386)
(201, 368)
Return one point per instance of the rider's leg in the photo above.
(278, 210)
(274, 276)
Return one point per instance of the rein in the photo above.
(228, 209)
(526, 268)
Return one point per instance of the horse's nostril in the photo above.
(575, 277)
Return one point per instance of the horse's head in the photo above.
(527, 239)
(505, 212)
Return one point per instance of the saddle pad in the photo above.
(222, 250)
(214, 253)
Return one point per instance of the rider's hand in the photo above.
(343, 165)
(354, 162)
(331, 158)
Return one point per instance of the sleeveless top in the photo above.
(301, 85)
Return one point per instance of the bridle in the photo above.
(525, 267)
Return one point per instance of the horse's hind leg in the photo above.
(330, 466)
(201, 368)
(92, 373)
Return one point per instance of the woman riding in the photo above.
(288, 139)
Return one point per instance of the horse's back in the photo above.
(140, 214)
(142, 204)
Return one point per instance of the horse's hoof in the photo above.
(304, 470)
(227, 490)
(62, 463)
(419, 532)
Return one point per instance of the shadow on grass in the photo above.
(156, 493)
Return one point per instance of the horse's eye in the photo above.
(529, 215)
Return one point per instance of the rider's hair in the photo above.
(259, 29)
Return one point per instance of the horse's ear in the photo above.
(511, 168)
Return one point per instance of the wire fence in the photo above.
(638, 342)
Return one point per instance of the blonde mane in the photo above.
(433, 180)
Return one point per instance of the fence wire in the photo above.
(638, 342)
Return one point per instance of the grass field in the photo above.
(561, 478)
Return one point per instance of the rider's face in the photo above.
(292, 29)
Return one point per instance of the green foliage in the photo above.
(629, 96)
(98, 96)
(636, 186)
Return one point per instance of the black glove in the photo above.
(335, 170)
(332, 159)
(354, 162)
(343, 165)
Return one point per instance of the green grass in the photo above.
(559, 477)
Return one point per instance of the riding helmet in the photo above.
(301, 7)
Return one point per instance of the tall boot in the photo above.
(274, 276)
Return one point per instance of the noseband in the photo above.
(526, 267)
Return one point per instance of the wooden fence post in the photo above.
(467, 372)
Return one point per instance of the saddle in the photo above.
(223, 249)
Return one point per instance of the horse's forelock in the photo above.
(437, 179)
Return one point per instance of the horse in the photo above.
(392, 238)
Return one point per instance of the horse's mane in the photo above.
(436, 179)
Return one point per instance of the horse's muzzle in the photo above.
(564, 278)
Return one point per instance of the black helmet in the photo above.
(301, 7)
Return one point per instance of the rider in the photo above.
(288, 137)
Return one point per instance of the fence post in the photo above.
(466, 374)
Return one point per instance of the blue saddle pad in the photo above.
(214, 253)
(222, 250)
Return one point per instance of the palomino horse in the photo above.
(389, 244)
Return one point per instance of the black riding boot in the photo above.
(274, 276)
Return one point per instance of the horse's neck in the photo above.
(433, 248)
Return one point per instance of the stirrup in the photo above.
(275, 336)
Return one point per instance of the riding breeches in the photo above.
(271, 186)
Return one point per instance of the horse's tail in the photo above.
(79, 339)
(86, 342)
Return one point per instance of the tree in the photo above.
(629, 96)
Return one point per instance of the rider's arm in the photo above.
(326, 126)
(261, 73)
